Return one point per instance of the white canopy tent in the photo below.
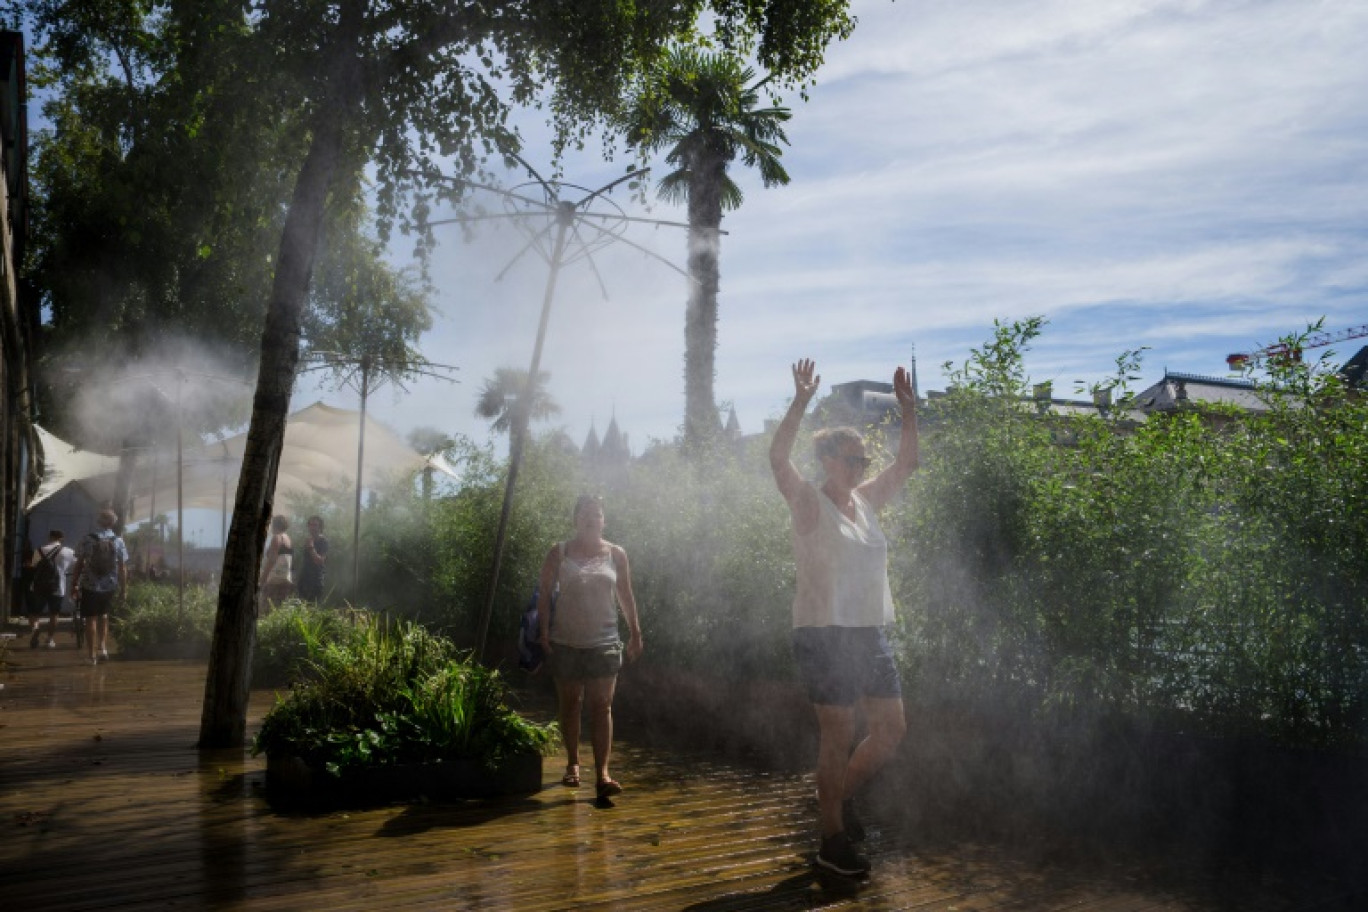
(63, 464)
(319, 454)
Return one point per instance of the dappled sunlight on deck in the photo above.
(106, 803)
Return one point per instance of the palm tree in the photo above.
(704, 109)
(501, 394)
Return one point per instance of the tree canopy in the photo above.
(400, 89)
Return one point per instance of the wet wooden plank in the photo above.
(105, 803)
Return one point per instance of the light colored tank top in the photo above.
(842, 569)
(586, 608)
(280, 571)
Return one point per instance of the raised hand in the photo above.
(805, 379)
(902, 388)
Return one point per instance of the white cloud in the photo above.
(1186, 175)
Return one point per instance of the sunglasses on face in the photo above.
(857, 462)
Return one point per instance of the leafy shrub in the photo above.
(390, 694)
(286, 637)
(153, 622)
(1202, 569)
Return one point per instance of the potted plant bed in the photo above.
(394, 714)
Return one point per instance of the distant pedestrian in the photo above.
(49, 582)
(842, 604)
(101, 576)
(313, 562)
(277, 581)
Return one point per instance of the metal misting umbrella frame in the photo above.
(569, 231)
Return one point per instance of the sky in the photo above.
(1179, 174)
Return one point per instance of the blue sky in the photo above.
(1186, 175)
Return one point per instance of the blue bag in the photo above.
(531, 656)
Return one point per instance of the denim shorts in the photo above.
(840, 665)
(571, 664)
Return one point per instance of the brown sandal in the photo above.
(608, 788)
(571, 778)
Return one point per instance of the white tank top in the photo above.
(842, 569)
(586, 609)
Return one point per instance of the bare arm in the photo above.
(883, 487)
(799, 494)
(272, 554)
(628, 602)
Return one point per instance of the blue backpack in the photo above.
(531, 656)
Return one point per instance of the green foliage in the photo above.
(428, 558)
(160, 191)
(703, 109)
(1202, 569)
(292, 632)
(390, 694)
(1199, 570)
(711, 561)
(152, 621)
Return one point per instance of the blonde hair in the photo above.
(827, 442)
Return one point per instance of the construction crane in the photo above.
(1281, 351)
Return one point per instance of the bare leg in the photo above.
(90, 628)
(887, 725)
(836, 727)
(571, 698)
(104, 633)
(600, 694)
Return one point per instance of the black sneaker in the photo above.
(853, 827)
(837, 854)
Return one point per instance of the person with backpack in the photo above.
(101, 575)
(51, 565)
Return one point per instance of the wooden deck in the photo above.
(106, 804)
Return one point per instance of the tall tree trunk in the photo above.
(701, 421)
(223, 722)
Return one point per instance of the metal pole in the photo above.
(360, 460)
(565, 216)
(152, 505)
(180, 497)
(223, 517)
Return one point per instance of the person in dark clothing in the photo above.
(311, 570)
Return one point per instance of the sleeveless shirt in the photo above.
(280, 572)
(586, 608)
(842, 568)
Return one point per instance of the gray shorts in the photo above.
(571, 664)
